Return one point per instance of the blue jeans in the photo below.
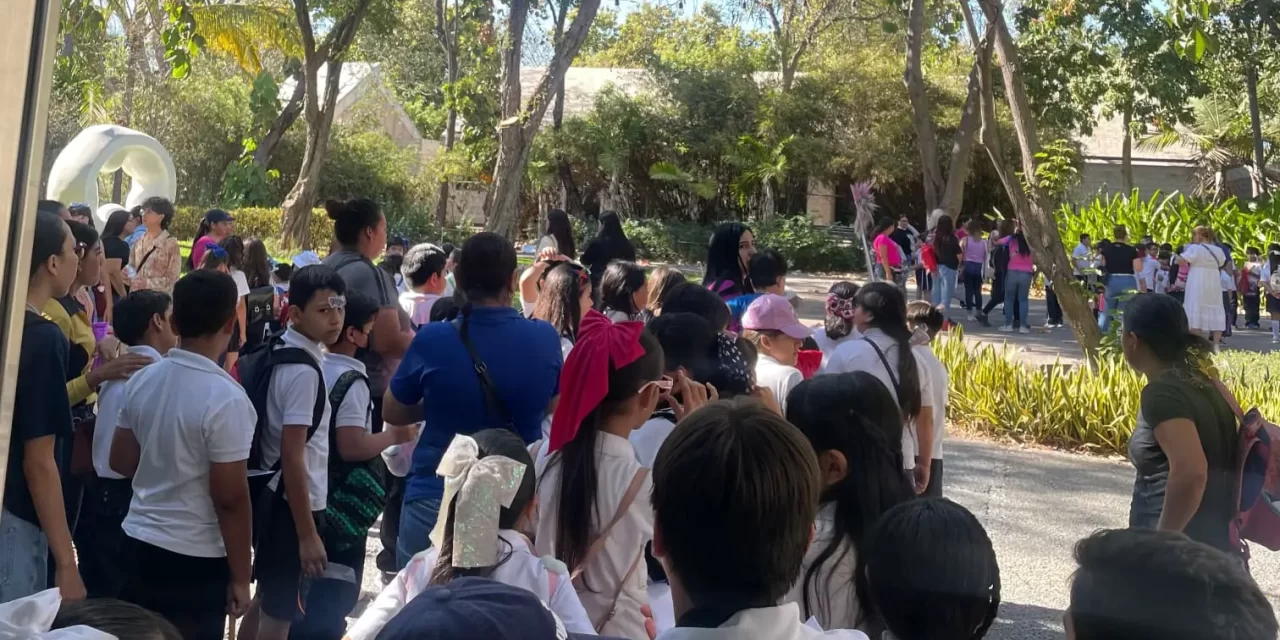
(944, 287)
(417, 519)
(1017, 294)
(24, 557)
(1118, 284)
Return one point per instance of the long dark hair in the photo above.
(257, 265)
(235, 251)
(578, 476)
(724, 263)
(619, 285)
(560, 228)
(611, 240)
(944, 236)
(116, 223)
(1153, 318)
(931, 572)
(888, 309)
(490, 442)
(687, 297)
(837, 327)
(1023, 249)
(560, 300)
(352, 217)
(854, 414)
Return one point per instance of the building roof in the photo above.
(582, 84)
(353, 73)
(1106, 143)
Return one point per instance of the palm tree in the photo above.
(1222, 141)
(760, 166)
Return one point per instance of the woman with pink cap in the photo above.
(770, 323)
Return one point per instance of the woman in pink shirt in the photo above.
(888, 254)
(1017, 282)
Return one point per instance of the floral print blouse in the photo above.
(159, 271)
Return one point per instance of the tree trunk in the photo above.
(1032, 204)
(516, 132)
(1126, 153)
(288, 115)
(922, 122)
(450, 135)
(134, 53)
(569, 197)
(967, 131)
(1260, 186)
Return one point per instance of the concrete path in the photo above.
(1035, 505)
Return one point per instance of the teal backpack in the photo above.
(357, 490)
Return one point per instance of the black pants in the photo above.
(972, 287)
(330, 601)
(997, 298)
(1252, 310)
(934, 490)
(190, 592)
(389, 530)
(1229, 309)
(1055, 309)
(100, 542)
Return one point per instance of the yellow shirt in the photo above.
(79, 330)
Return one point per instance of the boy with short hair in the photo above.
(143, 322)
(424, 280)
(926, 321)
(1158, 585)
(352, 444)
(716, 535)
(184, 436)
(290, 544)
(767, 270)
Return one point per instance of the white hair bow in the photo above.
(481, 487)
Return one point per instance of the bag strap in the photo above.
(296, 355)
(885, 361)
(633, 491)
(147, 257)
(338, 395)
(487, 387)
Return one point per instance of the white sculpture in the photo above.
(105, 148)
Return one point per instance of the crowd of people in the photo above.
(621, 452)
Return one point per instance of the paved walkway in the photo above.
(1035, 505)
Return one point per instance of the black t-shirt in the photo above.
(1119, 258)
(115, 248)
(947, 252)
(1170, 396)
(40, 408)
(903, 238)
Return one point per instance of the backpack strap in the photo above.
(633, 491)
(296, 355)
(488, 389)
(338, 395)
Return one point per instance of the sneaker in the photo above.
(1275, 340)
(1024, 330)
(982, 318)
(1006, 329)
(972, 316)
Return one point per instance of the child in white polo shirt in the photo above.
(189, 521)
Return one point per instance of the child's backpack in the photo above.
(357, 490)
(1257, 515)
(256, 367)
(258, 317)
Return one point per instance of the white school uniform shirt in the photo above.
(1162, 281)
(1082, 259)
(778, 378)
(521, 569)
(649, 437)
(355, 408)
(857, 355)
(111, 397)
(774, 623)
(832, 596)
(418, 306)
(1149, 268)
(939, 385)
(828, 346)
(292, 400)
(242, 282)
(616, 467)
(186, 413)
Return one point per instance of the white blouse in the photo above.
(616, 468)
(832, 598)
(545, 577)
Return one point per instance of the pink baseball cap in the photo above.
(772, 312)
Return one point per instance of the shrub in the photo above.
(1172, 218)
(1072, 406)
(806, 246)
(251, 222)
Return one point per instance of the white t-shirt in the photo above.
(1149, 268)
(111, 398)
(778, 378)
(832, 597)
(521, 569)
(939, 385)
(181, 433)
(291, 400)
(828, 346)
(242, 283)
(858, 355)
(1082, 259)
(418, 306)
(616, 468)
(355, 410)
(649, 438)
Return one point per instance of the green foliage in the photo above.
(1075, 407)
(806, 246)
(1056, 167)
(180, 40)
(251, 222)
(1172, 218)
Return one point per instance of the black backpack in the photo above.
(258, 316)
(357, 489)
(256, 367)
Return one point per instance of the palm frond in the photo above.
(246, 31)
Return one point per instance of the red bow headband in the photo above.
(584, 380)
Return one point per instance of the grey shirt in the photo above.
(362, 275)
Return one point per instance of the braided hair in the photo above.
(932, 572)
(852, 415)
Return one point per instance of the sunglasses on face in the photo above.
(664, 384)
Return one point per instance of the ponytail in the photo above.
(201, 231)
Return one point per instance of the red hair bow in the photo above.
(584, 380)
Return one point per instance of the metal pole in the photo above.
(28, 31)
